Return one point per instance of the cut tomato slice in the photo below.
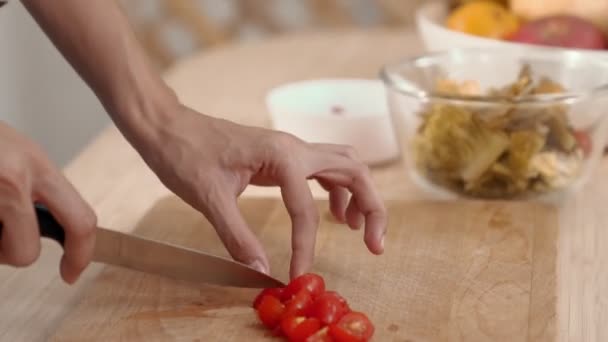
(275, 292)
(329, 307)
(270, 311)
(352, 327)
(320, 336)
(312, 283)
(299, 328)
(299, 305)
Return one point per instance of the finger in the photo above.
(343, 150)
(354, 217)
(20, 240)
(357, 178)
(225, 216)
(77, 219)
(338, 200)
(305, 221)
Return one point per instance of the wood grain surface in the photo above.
(231, 83)
(477, 272)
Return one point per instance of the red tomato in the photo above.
(270, 311)
(584, 141)
(353, 327)
(312, 283)
(275, 292)
(329, 307)
(299, 305)
(298, 328)
(321, 336)
(563, 31)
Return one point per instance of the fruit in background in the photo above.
(561, 31)
(483, 18)
(595, 11)
(456, 3)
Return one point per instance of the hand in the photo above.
(209, 162)
(27, 176)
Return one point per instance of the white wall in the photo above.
(40, 94)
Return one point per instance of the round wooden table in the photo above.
(232, 82)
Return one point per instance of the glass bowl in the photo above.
(499, 124)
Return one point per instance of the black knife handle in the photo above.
(49, 227)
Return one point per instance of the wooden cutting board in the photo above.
(451, 272)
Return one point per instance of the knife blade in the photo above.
(160, 258)
(150, 256)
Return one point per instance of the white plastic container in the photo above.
(338, 111)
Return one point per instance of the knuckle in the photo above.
(350, 152)
(13, 179)
(85, 229)
(281, 143)
(83, 233)
(284, 139)
(89, 220)
(41, 164)
(362, 172)
(23, 257)
(46, 182)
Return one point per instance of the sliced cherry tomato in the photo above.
(299, 328)
(299, 305)
(321, 336)
(275, 292)
(352, 327)
(312, 283)
(270, 311)
(329, 307)
(584, 142)
(289, 324)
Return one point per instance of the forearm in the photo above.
(97, 40)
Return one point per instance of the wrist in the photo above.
(142, 114)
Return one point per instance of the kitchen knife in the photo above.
(146, 255)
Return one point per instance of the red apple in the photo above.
(561, 31)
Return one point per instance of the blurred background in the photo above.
(42, 96)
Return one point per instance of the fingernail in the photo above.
(382, 242)
(259, 266)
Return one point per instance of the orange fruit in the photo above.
(483, 18)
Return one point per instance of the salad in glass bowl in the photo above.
(497, 124)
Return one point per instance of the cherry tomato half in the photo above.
(298, 328)
(352, 327)
(275, 292)
(299, 305)
(270, 311)
(312, 283)
(320, 336)
(329, 307)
